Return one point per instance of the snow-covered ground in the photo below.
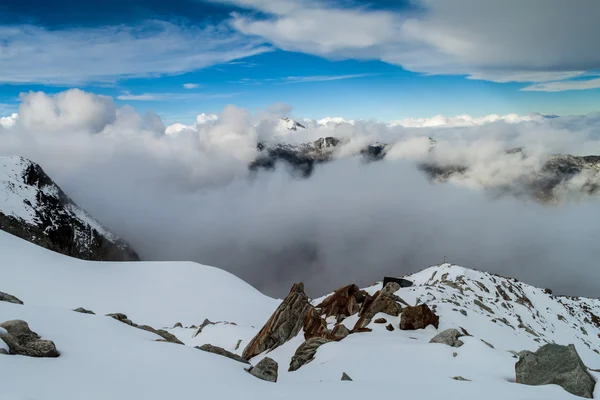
(102, 358)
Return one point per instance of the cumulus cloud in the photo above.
(108, 53)
(190, 196)
(481, 39)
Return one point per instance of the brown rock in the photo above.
(339, 332)
(284, 324)
(222, 352)
(314, 325)
(390, 327)
(380, 321)
(306, 352)
(418, 317)
(383, 301)
(343, 302)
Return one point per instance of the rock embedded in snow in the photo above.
(284, 324)
(384, 301)
(460, 378)
(9, 298)
(345, 377)
(305, 353)
(380, 321)
(266, 370)
(553, 364)
(222, 352)
(83, 311)
(166, 336)
(314, 325)
(449, 337)
(418, 317)
(23, 341)
(344, 302)
(389, 327)
(203, 325)
(339, 332)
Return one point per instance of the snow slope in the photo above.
(102, 358)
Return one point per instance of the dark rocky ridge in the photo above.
(54, 220)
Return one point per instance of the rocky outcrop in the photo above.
(284, 324)
(23, 341)
(266, 369)
(166, 336)
(345, 377)
(339, 332)
(306, 352)
(314, 325)
(449, 337)
(344, 302)
(9, 298)
(222, 352)
(384, 301)
(83, 311)
(553, 364)
(203, 325)
(43, 214)
(418, 317)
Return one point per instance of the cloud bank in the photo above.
(189, 195)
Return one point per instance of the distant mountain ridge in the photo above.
(34, 208)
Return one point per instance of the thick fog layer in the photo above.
(188, 195)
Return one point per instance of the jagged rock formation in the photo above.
(266, 370)
(384, 301)
(9, 298)
(284, 324)
(23, 341)
(344, 302)
(222, 352)
(306, 352)
(34, 208)
(418, 317)
(83, 311)
(449, 337)
(553, 364)
(166, 336)
(345, 377)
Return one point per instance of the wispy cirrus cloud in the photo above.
(191, 86)
(300, 79)
(127, 96)
(33, 54)
(563, 86)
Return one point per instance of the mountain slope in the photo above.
(34, 208)
(103, 358)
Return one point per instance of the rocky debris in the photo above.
(460, 378)
(384, 301)
(54, 221)
(83, 311)
(339, 332)
(558, 365)
(23, 341)
(9, 298)
(166, 336)
(305, 353)
(483, 306)
(344, 302)
(449, 337)
(454, 354)
(380, 321)
(463, 312)
(389, 327)
(491, 346)
(402, 282)
(222, 352)
(418, 317)
(345, 377)
(202, 326)
(266, 370)
(177, 325)
(237, 345)
(284, 324)
(464, 331)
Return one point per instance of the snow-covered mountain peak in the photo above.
(289, 124)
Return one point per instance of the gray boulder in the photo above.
(222, 352)
(23, 341)
(553, 364)
(266, 370)
(449, 337)
(306, 352)
(9, 298)
(166, 336)
(83, 311)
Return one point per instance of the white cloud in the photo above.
(191, 86)
(8, 122)
(463, 120)
(489, 40)
(127, 96)
(322, 78)
(564, 86)
(69, 56)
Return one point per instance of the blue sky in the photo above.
(368, 60)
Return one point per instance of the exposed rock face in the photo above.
(266, 370)
(166, 336)
(46, 216)
(202, 326)
(449, 337)
(345, 377)
(389, 327)
(380, 321)
(558, 365)
(284, 324)
(22, 341)
(400, 281)
(314, 325)
(344, 302)
(9, 298)
(339, 332)
(383, 301)
(83, 310)
(306, 352)
(222, 352)
(418, 317)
